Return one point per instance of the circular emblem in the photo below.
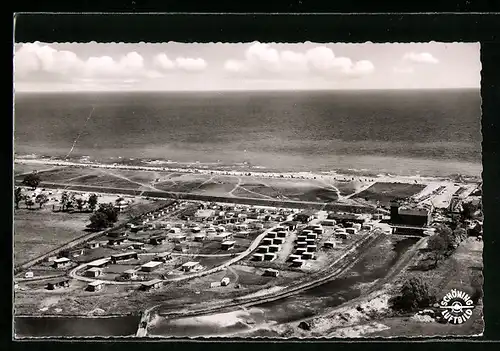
(456, 307)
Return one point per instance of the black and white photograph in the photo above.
(247, 190)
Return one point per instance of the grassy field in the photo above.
(39, 231)
(205, 184)
(386, 192)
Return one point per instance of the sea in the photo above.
(414, 132)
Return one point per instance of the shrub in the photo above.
(414, 294)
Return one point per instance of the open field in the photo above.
(386, 192)
(205, 184)
(39, 231)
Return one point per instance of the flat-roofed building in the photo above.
(163, 257)
(308, 255)
(297, 263)
(157, 240)
(269, 256)
(191, 266)
(302, 244)
(62, 262)
(271, 272)
(281, 234)
(151, 266)
(130, 274)
(263, 249)
(152, 284)
(267, 241)
(274, 248)
(132, 255)
(227, 245)
(100, 263)
(329, 244)
(95, 286)
(294, 257)
(93, 244)
(311, 248)
(278, 241)
(258, 257)
(93, 272)
(58, 284)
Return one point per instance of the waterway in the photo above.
(374, 265)
(46, 327)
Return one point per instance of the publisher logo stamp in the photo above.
(456, 307)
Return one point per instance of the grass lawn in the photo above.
(386, 192)
(39, 231)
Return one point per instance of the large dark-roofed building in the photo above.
(418, 217)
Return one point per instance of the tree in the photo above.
(64, 200)
(459, 235)
(468, 210)
(92, 202)
(110, 211)
(28, 202)
(414, 294)
(41, 199)
(79, 203)
(99, 221)
(18, 196)
(438, 247)
(31, 180)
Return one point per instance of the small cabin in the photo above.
(341, 235)
(163, 257)
(302, 244)
(95, 286)
(191, 266)
(157, 240)
(225, 281)
(271, 272)
(329, 222)
(274, 248)
(196, 230)
(29, 274)
(100, 263)
(199, 237)
(351, 230)
(281, 234)
(152, 284)
(271, 235)
(270, 256)
(308, 255)
(93, 272)
(278, 241)
(300, 250)
(58, 284)
(174, 230)
(129, 274)
(151, 266)
(62, 262)
(311, 248)
(117, 241)
(294, 257)
(329, 244)
(258, 257)
(179, 238)
(312, 236)
(263, 249)
(124, 257)
(93, 245)
(267, 241)
(137, 246)
(227, 245)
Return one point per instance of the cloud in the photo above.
(41, 62)
(422, 57)
(191, 64)
(261, 58)
(403, 70)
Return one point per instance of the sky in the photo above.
(46, 67)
